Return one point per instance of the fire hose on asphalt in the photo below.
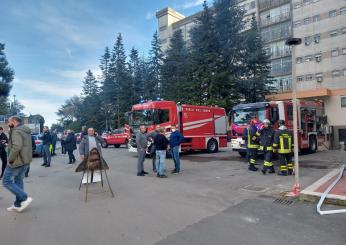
(325, 193)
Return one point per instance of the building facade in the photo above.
(319, 63)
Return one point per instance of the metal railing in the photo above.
(266, 4)
(275, 19)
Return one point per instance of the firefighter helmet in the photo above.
(282, 123)
(266, 121)
(254, 121)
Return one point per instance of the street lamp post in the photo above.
(296, 187)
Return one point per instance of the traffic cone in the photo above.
(295, 192)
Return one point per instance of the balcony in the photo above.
(268, 4)
(275, 19)
(280, 53)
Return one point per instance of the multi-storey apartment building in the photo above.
(319, 63)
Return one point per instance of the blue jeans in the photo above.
(160, 162)
(176, 158)
(13, 181)
(46, 154)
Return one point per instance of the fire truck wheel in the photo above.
(116, 146)
(212, 146)
(312, 144)
(104, 144)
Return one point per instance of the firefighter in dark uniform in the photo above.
(266, 139)
(251, 142)
(283, 144)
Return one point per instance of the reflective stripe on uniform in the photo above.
(290, 166)
(283, 168)
(267, 164)
(249, 145)
(252, 161)
(284, 151)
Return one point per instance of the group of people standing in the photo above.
(269, 141)
(158, 147)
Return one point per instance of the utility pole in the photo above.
(292, 42)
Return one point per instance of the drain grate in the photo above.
(286, 201)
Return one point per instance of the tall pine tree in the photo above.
(6, 78)
(175, 70)
(255, 82)
(153, 86)
(204, 57)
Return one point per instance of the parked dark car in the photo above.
(37, 145)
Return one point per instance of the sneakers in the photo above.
(140, 174)
(143, 172)
(162, 176)
(43, 164)
(24, 204)
(12, 209)
(175, 172)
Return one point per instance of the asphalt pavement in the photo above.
(149, 210)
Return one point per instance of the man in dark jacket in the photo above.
(152, 149)
(71, 145)
(3, 154)
(161, 144)
(46, 142)
(174, 142)
(19, 159)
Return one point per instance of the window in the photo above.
(316, 18)
(307, 41)
(343, 101)
(290, 112)
(297, 23)
(343, 30)
(300, 78)
(299, 60)
(332, 13)
(306, 2)
(163, 28)
(344, 51)
(335, 52)
(307, 21)
(308, 77)
(308, 58)
(163, 41)
(297, 5)
(333, 33)
(317, 38)
(343, 10)
(335, 73)
(319, 77)
(318, 57)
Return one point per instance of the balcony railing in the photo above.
(280, 53)
(275, 19)
(267, 4)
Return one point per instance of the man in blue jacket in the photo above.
(174, 143)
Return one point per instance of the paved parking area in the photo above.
(145, 210)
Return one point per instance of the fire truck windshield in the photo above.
(243, 116)
(148, 117)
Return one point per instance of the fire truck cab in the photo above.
(203, 127)
(310, 118)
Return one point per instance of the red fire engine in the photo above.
(204, 127)
(310, 121)
(117, 137)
